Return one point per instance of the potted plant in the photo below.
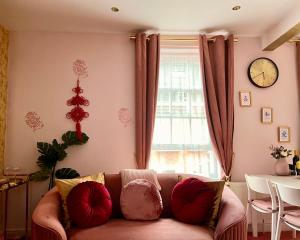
(280, 154)
(51, 154)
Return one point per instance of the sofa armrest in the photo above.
(232, 223)
(46, 217)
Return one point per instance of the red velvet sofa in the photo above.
(232, 224)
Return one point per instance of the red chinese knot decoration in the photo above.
(77, 114)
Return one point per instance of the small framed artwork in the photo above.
(284, 134)
(266, 115)
(245, 98)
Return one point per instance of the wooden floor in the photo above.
(267, 236)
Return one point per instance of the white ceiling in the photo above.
(181, 16)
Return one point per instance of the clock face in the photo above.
(263, 72)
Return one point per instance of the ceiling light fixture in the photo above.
(115, 9)
(235, 8)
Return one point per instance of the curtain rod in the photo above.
(294, 40)
(186, 38)
(183, 38)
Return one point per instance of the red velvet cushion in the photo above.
(191, 201)
(89, 204)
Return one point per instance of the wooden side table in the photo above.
(5, 187)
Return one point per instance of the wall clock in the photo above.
(263, 72)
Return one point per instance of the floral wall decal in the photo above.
(80, 68)
(124, 116)
(33, 120)
(77, 114)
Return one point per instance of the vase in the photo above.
(282, 167)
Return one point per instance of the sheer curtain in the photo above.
(181, 141)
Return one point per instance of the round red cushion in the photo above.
(191, 201)
(89, 204)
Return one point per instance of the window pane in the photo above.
(181, 141)
(162, 133)
(181, 131)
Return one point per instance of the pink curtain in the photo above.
(218, 78)
(147, 53)
(298, 60)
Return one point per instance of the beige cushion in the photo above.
(129, 175)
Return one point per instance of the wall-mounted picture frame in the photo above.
(267, 115)
(284, 134)
(245, 98)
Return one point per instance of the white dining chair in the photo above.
(267, 205)
(291, 218)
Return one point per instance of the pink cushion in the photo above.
(293, 217)
(89, 204)
(264, 204)
(141, 200)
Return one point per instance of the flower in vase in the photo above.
(280, 152)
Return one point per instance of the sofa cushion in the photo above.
(192, 201)
(113, 183)
(129, 175)
(217, 187)
(141, 200)
(89, 204)
(162, 229)
(65, 186)
(167, 181)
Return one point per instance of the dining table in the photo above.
(291, 181)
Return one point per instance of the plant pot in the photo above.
(282, 167)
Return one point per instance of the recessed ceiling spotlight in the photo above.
(115, 9)
(235, 8)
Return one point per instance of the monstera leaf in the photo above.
(66, 173)
(59, 150)
(39, 176)
(50, 154)
(70, 138)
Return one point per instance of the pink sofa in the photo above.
(232, 225)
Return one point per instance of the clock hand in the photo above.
(258, 74)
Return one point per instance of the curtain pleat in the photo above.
(147, 54)
(218, 82)
(298, 61)
(4, 35)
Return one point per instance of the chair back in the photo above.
(260, 185)
(257, 184)
(288, 194)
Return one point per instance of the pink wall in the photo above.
(41, 79)
(252, 138)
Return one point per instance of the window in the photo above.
(181, 141)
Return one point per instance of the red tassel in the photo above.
(78, 131)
